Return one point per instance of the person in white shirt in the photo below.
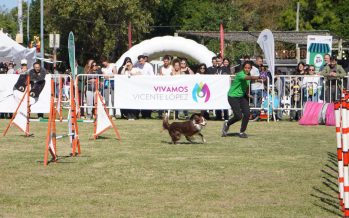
(10, 69)
(310, 85)
(108, 70)
(144, 67)
(257, 87)
(166, 69)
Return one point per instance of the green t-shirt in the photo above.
(239, 85)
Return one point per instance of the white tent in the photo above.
(10, 50)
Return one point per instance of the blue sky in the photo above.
(9, 4)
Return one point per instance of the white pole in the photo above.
(28, 38)
(20, 17)
(42, 31)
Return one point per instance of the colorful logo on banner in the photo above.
(201, 91)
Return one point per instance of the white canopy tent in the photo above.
(171, 45)
(10, 50)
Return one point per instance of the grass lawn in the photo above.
(281, 170)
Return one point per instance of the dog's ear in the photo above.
(194, 116)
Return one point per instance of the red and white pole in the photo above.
(345, 131)
(338, 112)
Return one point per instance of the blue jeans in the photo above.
(257, 100)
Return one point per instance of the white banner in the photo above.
(10, 96)
(172, 92)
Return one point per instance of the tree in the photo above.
(99, 26)
(314, 15)
(8, 22)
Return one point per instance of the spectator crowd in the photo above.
(291, 91)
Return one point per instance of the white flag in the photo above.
(266, 42)
(51, 147)
(21, 119)
(103, 121)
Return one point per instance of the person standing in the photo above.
(257, 87)
(238, 100)
(221, 70)
(108, 70)
(10, 68)
(144, 67)
(327, 60)
(24, 67)
(166, 69)
(213, 69)
(333, 73)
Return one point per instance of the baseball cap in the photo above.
(24, 62)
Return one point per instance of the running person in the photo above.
(238, 99)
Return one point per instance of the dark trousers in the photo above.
(219, 114)
(332, 92)
(241, 110)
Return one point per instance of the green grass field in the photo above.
(281, 170)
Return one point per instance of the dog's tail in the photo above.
(165, 123)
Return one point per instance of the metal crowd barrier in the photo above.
(85, 89)
(291, 92)
(62, 88)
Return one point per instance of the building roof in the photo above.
(299, 37)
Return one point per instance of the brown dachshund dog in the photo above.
(188, 128)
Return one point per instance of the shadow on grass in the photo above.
(181, 143)
(60, 158)
(326, 195)
(236, 134)
(100, 138)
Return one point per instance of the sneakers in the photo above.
(225, 129)
(243, 135)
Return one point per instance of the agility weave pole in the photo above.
(51, 135)
(59, 100)
(26, 94)
(101, 114)
(74, 125)
(51, 130)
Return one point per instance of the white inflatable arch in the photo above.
(171, 45)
